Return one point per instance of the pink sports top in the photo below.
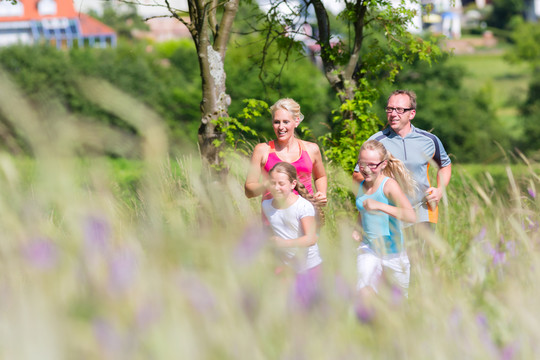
(303, 165)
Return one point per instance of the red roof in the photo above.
(92, 27)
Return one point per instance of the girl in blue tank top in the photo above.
(382, 205)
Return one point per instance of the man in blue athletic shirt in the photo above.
(417, 149)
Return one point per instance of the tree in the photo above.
(355, 64)
(526, 39)
(209, 23)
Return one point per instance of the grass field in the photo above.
(159, 259)
(175, 266)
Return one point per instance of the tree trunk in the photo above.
(211, 42)
(214, 104)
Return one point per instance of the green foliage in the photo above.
(530, 112)
(352, 125)
(239, 134)
(503, 11)
(49, 76)
(526, 40)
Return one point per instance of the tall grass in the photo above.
(174, 265)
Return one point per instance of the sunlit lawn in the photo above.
(509, 82)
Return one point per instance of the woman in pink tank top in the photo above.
(304, 155)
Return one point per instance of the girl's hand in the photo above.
(371, 205)
(277, 240)
(356, 235)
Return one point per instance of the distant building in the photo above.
(52, 21)
(163, 29)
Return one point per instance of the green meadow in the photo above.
(505, 83)
(157, 258)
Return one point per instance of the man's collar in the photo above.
(388, 131)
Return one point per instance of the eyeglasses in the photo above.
(399, 110)
(370, 166)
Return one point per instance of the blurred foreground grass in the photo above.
(155, 259)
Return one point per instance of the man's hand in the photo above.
(433, 196)
(356, 235)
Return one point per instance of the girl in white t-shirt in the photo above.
(292, 218)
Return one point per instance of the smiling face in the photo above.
(281, 185)
(371, 164)
(284, 124)
(400, 123)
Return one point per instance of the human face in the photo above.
(284, 124)
(370, 163)
(400, 123)
(280, 185)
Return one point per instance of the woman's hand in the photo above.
(320, 198)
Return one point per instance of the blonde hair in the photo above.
(287, 104)
(289, 170)
(394, 167)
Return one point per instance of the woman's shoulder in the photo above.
(310, 145)
(312, 148)
(261, 149)
(262, 146)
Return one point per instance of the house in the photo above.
(52, 21)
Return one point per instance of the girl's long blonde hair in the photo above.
(394, 167)
(289, 170)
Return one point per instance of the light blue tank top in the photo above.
(382, 232)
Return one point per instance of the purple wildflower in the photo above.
(122, 271)
(147, 314)
(250, 244)
(342, 287)
(198, 294)
(509, 351)
(307, 287)
(250, 304)
(456, 318)
(397, 295)
(365, 314)
(482, 321)
(108, 336)
(96, 232)
(42, 253)
(532, 193)
(485, 336)
(511, 247)
(533, 225)
(499, 257)
(481, 235)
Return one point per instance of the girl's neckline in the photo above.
(287, 203)
(373, 189)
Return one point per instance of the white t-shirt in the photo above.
(286, 224)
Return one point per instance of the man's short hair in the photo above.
(411, 94)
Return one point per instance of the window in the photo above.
(47, 7)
